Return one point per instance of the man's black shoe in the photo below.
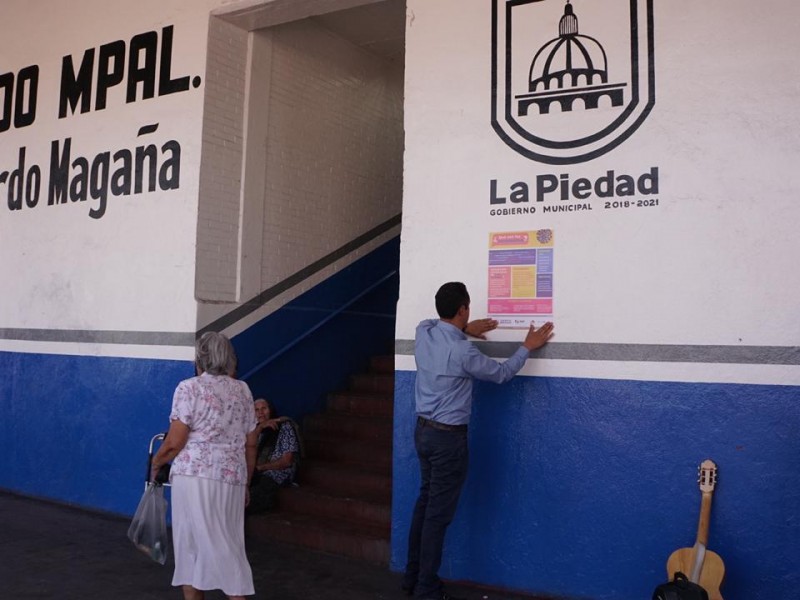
(407, 588)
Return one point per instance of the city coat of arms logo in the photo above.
(571, 79)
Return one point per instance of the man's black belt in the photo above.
(436, 425)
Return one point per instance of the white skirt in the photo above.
(208, 536)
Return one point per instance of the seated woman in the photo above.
(278, 449)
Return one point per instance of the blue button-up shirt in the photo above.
(447, 362)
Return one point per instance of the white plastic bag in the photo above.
(148, 530)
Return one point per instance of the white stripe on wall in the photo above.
(99, 349)
(649, 371)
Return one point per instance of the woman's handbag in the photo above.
(148, 530)
(680, 588)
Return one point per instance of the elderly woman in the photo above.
(212, 438)
(278, 447)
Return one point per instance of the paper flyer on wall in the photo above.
(521, 277)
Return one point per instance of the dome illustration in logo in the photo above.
(563, 94)
(568, 68)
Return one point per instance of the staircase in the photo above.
(343, 503)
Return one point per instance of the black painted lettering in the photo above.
(142, 152)
(519, 192)
(121, 179)
(493, 197)
(74, 89)
(98, 183)
(78, 188)
(169, 176)
(582, 189)
(564, 186)
(166, 85)
(16, 183)
(3, 179)
(604, 186)
(146, 44)
(648, 182)
(545, 184)
(7, 104)
(27, 89)
(625, 186)
(59, 173)
(110, 70)
(33, 185)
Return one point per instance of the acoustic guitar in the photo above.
(702, 566)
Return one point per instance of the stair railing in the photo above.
(316, 326)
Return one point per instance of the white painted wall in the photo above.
(335, 139)
(323, 159)
(133, 268)
(713, 264)
(224, 127)
(331, 170)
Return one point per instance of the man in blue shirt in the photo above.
(447, 362)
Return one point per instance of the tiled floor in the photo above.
(51, 551)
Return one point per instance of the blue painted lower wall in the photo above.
(582, 488)
(76, 428)
(299, 380)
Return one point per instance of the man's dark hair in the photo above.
(450, 297)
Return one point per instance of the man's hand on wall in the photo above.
(480, 327)
(537, 338)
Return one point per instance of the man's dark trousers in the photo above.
(443, 459)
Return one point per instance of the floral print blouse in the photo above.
(218, 411)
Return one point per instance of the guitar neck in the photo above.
(705, 517)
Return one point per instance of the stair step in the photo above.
(333, 479)
(372, 455)
(350, 426)
(372, 382)
(361, 403)
(357, 541)
(311, 501)
(382, 364)
(343, 503)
